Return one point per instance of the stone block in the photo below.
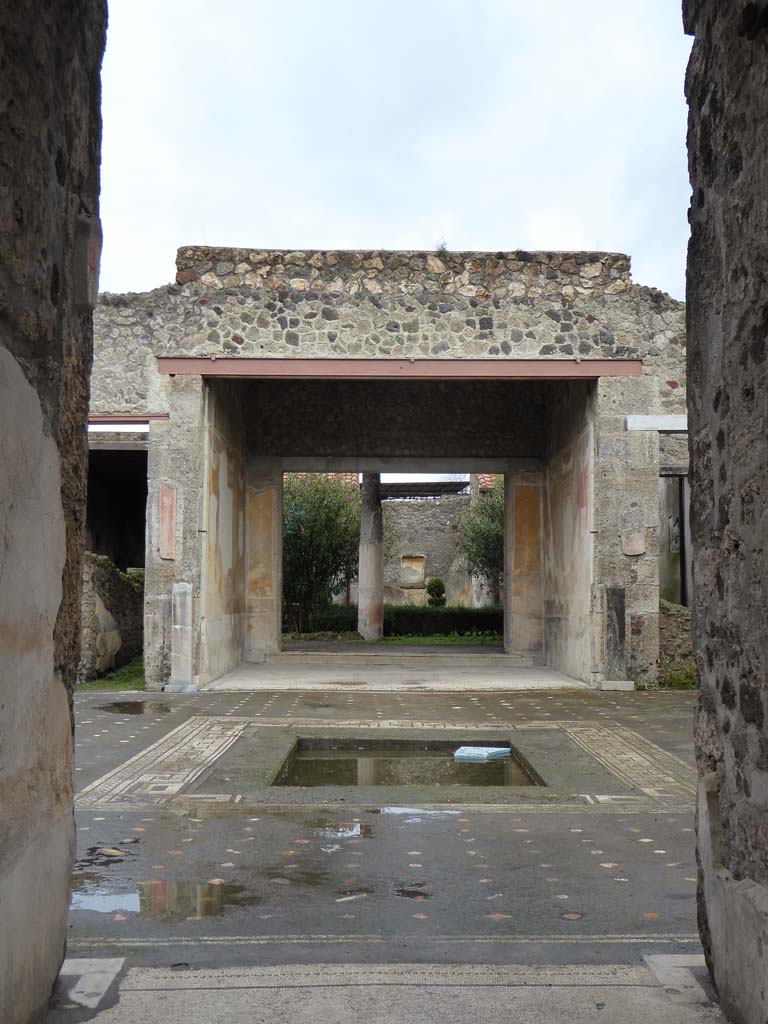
(633, 542)
(181, 637)
(621, 685)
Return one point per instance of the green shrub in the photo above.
(321, 538)
(436, 592)
(481, 536)
(336, 618)
(677, 675)
(413, 620)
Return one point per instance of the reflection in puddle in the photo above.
(422, 812)
(170, 900)
(104, 901)
(317, 762)
(354, 830)
(279, 874)
(160, 899)
(135, 707)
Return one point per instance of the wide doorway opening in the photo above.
(439, 562)
(528, 442)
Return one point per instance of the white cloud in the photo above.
(493, 124)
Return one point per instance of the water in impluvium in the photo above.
(363, 764)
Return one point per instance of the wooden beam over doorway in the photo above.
(401, 369)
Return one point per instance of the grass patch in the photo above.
(441, 639)
(127, 677)
(325, 634)
(677, 675)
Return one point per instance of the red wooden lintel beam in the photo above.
(401, 369)
(126, 418)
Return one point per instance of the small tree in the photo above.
(436, 592)
(481, 536)
(321, 538)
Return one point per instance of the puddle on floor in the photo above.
(348, 895)
(352, 830)
(160, 899)
(104, 901)
(414, 813)
(103, 856)
(134, 707)
(292, 874)
(413, 891)
(319, 762)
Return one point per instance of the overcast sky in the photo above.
(396, 124)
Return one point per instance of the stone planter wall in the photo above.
(112, 612)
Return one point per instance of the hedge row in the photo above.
(413, 620)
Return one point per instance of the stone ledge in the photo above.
(469, 273)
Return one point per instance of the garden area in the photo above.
(321, 538)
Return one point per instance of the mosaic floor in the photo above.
(166, 863)
(180, 860)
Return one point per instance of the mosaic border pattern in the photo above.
(170, 767)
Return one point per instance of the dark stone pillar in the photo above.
(727, 315)
(50, 135)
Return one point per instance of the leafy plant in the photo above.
(436, 592)
(321, 537)
(481, 536)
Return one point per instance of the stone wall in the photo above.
(50, 56)
(175, 500)
(428, 527)
(728, 412)
(448, 419)
(673, 452)
(243, 302)
(568, 539)
(111, 615)
(626, 532)
(675, 637)
(259, 303)
(222, 586)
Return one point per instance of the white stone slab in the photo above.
(675, 972)
(118, 428)
(669, 424)
(616, 684)
(94, 976)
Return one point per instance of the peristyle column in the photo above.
(370, 599)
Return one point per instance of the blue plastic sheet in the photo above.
(481, 754)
